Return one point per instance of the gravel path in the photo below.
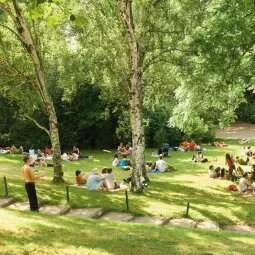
(238, 129)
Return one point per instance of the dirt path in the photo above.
(237, 130)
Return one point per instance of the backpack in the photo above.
(232, 187)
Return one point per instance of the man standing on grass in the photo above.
(30, 179)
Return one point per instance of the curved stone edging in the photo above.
(100, 213)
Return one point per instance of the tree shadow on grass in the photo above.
(208, 203)
(71, 235)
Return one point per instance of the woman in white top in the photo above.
(115, 161)
(244, 183)
(110, 180)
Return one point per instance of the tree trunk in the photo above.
(25, 37)
(135, 88)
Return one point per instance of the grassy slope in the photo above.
(28, 233)
(166, 195)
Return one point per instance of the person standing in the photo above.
(231, 167)
(30, 179)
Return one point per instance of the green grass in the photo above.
(167, 194)
(24, 233)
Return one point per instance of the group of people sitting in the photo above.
(13, 149)
(189, 146)
(38, 159)
(124, 163)
(124, 149)
(160, 166)
(74, 155)
(96, 181)
(246, 179)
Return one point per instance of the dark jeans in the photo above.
(230, 172)
(31, 193)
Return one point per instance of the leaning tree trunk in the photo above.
(135, 87)
(25, 37)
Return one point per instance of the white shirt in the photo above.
(242, 185)
(161, 165)
(212, 173)
(110, 181)
(115, 162)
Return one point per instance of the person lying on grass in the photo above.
(241, 161)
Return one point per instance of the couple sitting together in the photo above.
(95, 181)
(160, 166)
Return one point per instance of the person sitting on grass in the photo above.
(192, 146)
(129, 149)
(124, 163)
(109, 178)
(79, 179)
(216, 172)
(238, 172)
(104, 171)
(244, 184)
(241, 161)
(148, 166)
(76, 150)
(160, 165)
(248, 151)
(121, 150)
(115, 161)
(96, 182)
(184, 146)
(199, 157)
(47, 151)
(41, 162)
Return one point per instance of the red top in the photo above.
(230, 162)
(192, 146)
(78, 179)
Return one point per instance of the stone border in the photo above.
(127, 217)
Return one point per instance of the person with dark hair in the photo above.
(199, 157)
(248, 151)
(115, 161)
(244, 183)
(30, 179)
(241, 161)
(231, 166)
(216, 172)
(76, 150)
(111, 184)
(160, 165)
(78, 177)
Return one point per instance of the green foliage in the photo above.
(246, 111)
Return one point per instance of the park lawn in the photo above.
(167, 194)
(33, 233)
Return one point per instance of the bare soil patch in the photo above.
(238, 130)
